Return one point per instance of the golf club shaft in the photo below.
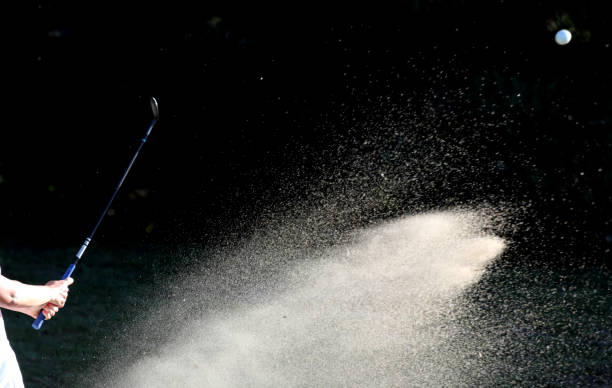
(41, 318)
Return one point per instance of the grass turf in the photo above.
(109, 285)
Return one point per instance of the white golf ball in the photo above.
(563, 37)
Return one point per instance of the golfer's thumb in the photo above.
(69, 281)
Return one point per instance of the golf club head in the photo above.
(155, 108)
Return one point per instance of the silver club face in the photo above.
(154, 108)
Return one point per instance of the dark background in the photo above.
(333, 114)
(251, 96)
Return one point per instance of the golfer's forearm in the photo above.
(31, 311)
(14, 294)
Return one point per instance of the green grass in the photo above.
(109, 283)
(540, 327)
(521, 326)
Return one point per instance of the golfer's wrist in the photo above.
(51, 294)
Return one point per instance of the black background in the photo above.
(244, 91)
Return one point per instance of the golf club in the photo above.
(155, 108)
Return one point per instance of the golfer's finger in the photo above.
(50, 310)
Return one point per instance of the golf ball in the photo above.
(563, 37)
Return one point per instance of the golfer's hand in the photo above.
(59, 291)
(49, 311)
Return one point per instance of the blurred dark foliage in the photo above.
(243, 90)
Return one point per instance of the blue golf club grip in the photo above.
(41, 318)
